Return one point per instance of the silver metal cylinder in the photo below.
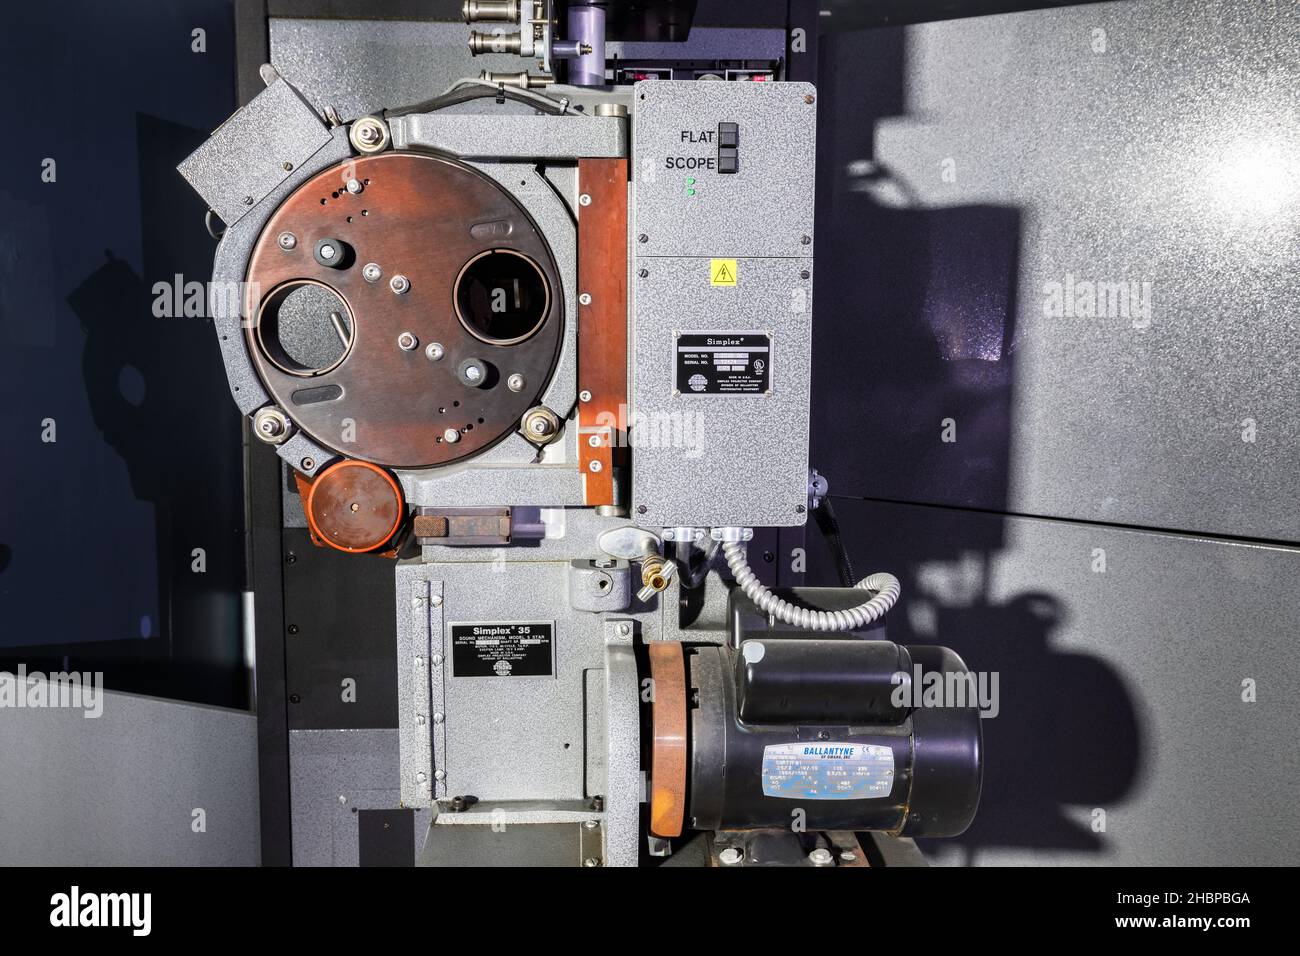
(494, 43)
(490, 11)
(587, 30)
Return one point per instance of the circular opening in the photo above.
(502, 297)
(304, 328)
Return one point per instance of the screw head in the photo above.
(821, 857)
(438, 718)
(407, 342)
(440, 775)
(594, 441)
(288, 241)
(594, 466)
(371, 272)
(584, 299)
(584, 200)
(271, 425)
(451, 436)
(643, 273)
(731, 856)
(515, 382)
(643, 238)
(354, 186)
(848, 856)
(584, 395)
(591, 861)
(434, 351)
(806, 240)
(399, 284)
(328, 251)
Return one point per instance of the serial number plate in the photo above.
(827, 771)
(502, 649)
(724, 363)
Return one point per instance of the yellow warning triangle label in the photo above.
(722, 272)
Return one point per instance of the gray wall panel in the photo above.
(121, 789)
(1119, 690)
(968, 165)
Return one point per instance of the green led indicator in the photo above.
(690, 180)
(690, 192)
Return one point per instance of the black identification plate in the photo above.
(724, 363)
(502, 649)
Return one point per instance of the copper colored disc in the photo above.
(668, 757)
(351, 366)
(354, 506)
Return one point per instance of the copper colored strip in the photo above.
(602, 324)
(668, 758)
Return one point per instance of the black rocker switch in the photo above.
(728, 147)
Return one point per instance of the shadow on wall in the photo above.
(916, 324)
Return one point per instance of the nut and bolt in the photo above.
(399, 284)
(288, 241)
(271, 425)
(407, 342)
(515, 382)
(540, 425)
(368, 133)
(848, 856)
(821, 857)
(354, 186)
(451, 436)
(371, 272)
(731, 856)
(434, 352)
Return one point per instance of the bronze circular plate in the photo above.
(354, 506)
(668, 753)
(425, 218)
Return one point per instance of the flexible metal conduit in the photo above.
(885, 586)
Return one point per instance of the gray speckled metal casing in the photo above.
(731, 459)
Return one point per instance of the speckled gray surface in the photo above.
(122, 789)
(1120, 690)
(970, 165)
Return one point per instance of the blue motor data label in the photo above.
(828, 771)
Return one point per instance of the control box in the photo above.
(722, 199)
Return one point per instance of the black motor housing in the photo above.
(792, 728)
